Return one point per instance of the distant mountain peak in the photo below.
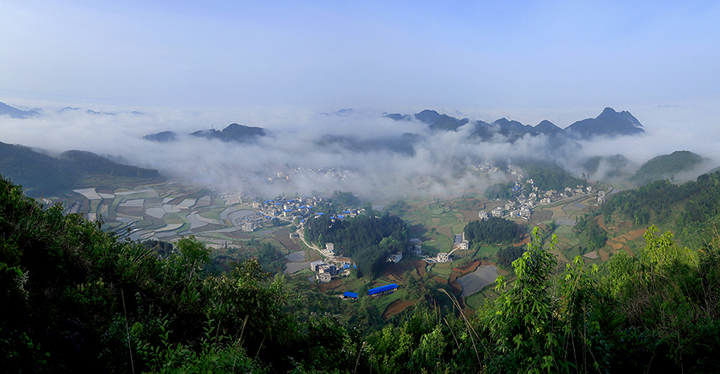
(608, 111)
(232, 133)
(428, 116)
(17, 113)
(547, 127)
(608, 123)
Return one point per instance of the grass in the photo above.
(442, 272)
(475, 301)
(382, 302)
(486, 251)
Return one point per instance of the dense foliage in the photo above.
(77, 299)
(500, 191)
(345, 199)
(693, 206)
(365, 238)
(492, 231)
(163, 249)
(506, 256)
(548, 177)
(587, 227)
(666, 166)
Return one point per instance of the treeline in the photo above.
(551, 177)
(90, 163)
(492, 231)
(365, 238)
(507, 255)
(76, 299)
(588, 228)
(501, 191)
(665, 166)
(270, 259)
(691, 203)
(545, 177)
(163, 249)
(337, 203)
(44, 174)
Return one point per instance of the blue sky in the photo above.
(527, 59)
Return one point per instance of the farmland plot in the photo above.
(477, 280)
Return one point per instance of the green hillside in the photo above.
(77, 299)
(41, 174)
(666, 166)
(691, 209)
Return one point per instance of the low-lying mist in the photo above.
(297, 157)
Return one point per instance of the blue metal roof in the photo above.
(351, 294)
(340, 216)
(346, 212)
(384, 288)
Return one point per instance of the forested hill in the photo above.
(365, 238)
(492, 231)
(667, 166)
(76, 299)
(43, 174)
(691, 208)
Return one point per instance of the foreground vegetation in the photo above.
(78, 299)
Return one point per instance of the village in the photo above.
(523, 205)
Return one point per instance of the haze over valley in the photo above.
(359, 187)
(422, 154)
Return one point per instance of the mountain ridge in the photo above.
(608, 123)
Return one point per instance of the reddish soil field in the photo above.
(440, 280)
(525, 240)
(459, 272)
(619, 242)
(396, 272)
(330, 286)
(456, 287)
(467, 268)
(604, 256)
(420, 267)
(396, 307)
(601, 223)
